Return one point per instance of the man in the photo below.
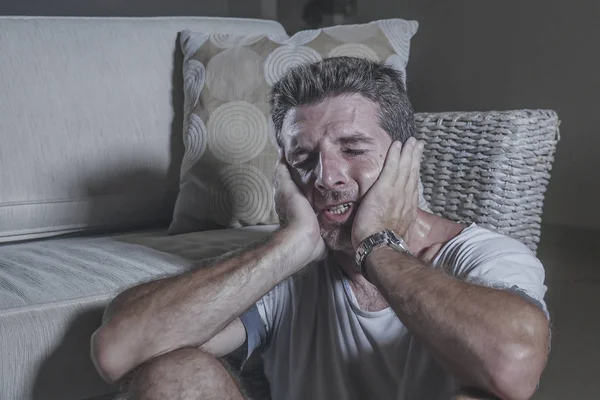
(359, 294)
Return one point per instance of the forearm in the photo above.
(126, 298)
(189, 309)
(475, 332)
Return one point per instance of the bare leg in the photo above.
(185, 374)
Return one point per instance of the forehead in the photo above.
(330, 119)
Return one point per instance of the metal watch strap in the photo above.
(375, 241)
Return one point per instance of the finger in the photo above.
(278, 164)
(287, 178)
(281, 158)
(280, 185)
(418, 151)
(389, 172)
(282, 172)
(415, 167)
(405, 162)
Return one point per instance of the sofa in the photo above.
(91, 148)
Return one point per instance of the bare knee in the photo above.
(183, 374)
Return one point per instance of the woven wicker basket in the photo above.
(491, 168)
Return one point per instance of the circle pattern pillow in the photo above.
(230, 151)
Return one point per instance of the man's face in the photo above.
(336, 150)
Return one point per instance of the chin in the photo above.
(338, 239)
(336, 232)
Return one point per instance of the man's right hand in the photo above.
(296, 215)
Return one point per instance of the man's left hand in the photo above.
(391, 203)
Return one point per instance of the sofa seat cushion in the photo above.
(53, 293)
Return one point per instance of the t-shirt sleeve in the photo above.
(503, 263)
(256, 331)
(262, 319)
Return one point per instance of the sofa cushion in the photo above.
(230, 154)
(90, 120)
(53, 292)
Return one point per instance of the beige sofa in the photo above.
(91, 145)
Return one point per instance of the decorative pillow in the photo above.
(230, 147)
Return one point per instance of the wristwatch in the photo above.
(375, 241)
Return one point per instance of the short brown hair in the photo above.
(313, 83)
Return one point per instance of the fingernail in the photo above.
(398, 144)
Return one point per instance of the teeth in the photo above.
(342, 208)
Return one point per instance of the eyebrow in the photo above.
(355, 138)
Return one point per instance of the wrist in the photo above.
(357, 240)
(297, 245)
(384, 238)
(372, 260)
(401, 233)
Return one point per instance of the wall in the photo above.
(467, 55)
(141, 8)
(484, 55)
(475, 55)
(114, 7)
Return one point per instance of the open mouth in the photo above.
(339, 209)
(339, 213)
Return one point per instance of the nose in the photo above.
(331, 173)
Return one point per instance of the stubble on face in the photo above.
(320, 126)
(338, 236)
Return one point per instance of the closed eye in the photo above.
(354, 152)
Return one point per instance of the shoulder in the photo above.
(479, 247)
(489, 258)
(480, 241)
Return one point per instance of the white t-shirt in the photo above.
(317, 343)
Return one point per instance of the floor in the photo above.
(571, 258)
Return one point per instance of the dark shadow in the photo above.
(68, 372)
(177, 149)
(130, 199)
(157, 185)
